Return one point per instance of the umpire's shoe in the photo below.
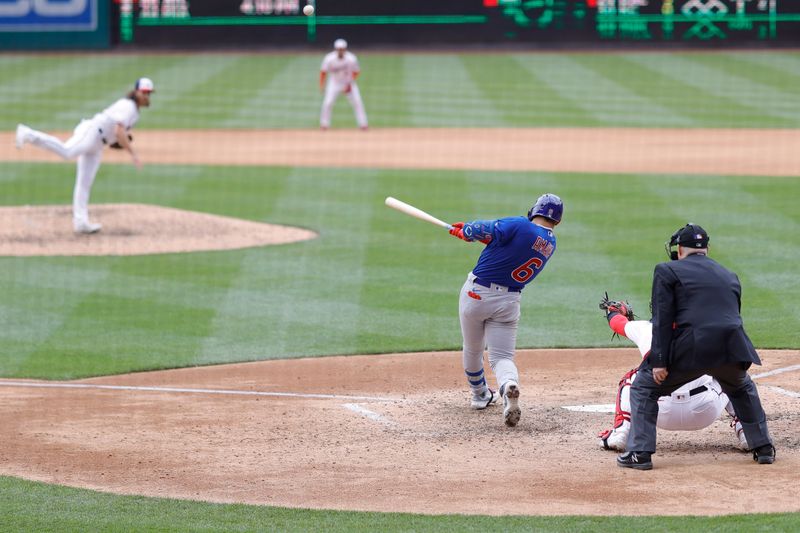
(764, 455)
(636, 460)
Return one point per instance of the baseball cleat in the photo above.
(737, 427)
(87, 227)
(635, 460)
(764, 455)
(23, 132)
(616, 438)
(511, 410)
(482, 401)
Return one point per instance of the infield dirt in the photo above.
(396, 434)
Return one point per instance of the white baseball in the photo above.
(308, 10)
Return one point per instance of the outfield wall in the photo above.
(184, 23)
(80, 24)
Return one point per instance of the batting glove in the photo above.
(458, 231)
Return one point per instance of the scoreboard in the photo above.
(281, 22)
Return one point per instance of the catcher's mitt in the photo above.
(117, 146)
(616, 306)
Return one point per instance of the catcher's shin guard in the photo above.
(615, 437)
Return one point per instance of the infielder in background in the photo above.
(695, 405)
(110, 127)
(517, 249)
(340, 69)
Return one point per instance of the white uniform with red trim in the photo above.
(86, 144)
(340, 73)
(693, 406)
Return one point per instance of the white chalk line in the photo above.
(611, 408)
(606, 408)
(35, 384)
(367, 413)
(776, 371)
(783, 391)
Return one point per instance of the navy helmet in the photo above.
(548, 206)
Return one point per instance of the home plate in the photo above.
(592, 408)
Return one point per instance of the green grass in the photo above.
(69, 509)
(203, 90)
(376, 281)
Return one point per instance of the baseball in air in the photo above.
(308, 10)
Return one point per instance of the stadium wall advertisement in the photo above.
(54, 24)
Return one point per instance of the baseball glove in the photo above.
(117, 146)
(616, 306)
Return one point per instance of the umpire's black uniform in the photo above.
(697, 330)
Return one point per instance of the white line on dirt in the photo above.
(591, 408)
(188, 390)
(781, 390)
(367, 413)
(776, 371)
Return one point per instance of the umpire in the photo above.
(697, 329)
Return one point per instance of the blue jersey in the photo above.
(518, 251)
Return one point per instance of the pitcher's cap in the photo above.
(340, 44)
(144, 85)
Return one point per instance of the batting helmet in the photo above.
(548, 206)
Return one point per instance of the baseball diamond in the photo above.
(253, 326)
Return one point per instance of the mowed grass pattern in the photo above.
(203, 90)
(376, 281)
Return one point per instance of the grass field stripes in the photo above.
(744, 89)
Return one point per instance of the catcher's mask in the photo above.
(689, 236)
(548, 206)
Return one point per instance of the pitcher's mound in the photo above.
(133, 229)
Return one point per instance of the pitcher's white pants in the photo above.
(86, 144)
(489, 322)
(332, 92)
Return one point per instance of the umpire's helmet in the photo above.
(548, 206)
(689, 236)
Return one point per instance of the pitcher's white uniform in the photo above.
(341, 69)
(87, 143)
(693, 406)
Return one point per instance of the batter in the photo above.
(109, 127)
(693, 406)
(517, 250)
(340, 69)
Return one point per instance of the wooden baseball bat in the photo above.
(410, 210)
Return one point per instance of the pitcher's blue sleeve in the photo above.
(478, 230)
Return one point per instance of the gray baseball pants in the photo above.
(489, 322)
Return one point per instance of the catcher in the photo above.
(695, 405)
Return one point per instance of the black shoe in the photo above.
(764, 455)
(637, 460)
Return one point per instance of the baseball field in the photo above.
(174, 372)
